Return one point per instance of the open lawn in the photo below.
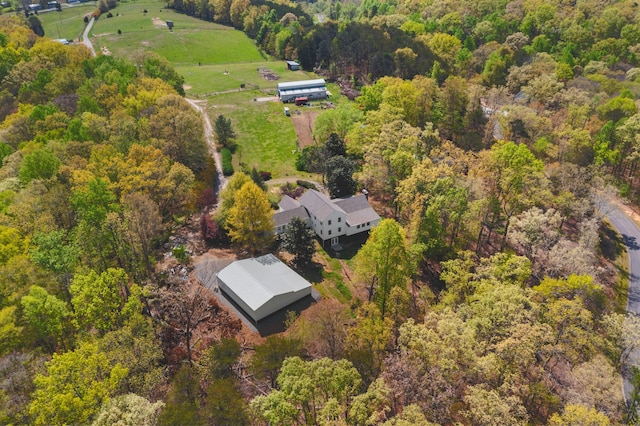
(207, 80)
(266, 138)
(192, 41)
(68, 23)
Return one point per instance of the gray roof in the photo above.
(258, 280)
(284, 217)
(292, 85)
(358, 210)
(288, 203)
(318, 204)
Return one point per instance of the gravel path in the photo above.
(208, 134)
(85, 37)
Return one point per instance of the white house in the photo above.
(262, 286)
(329, 219)
(289, 208)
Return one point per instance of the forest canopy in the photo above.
(485, 134)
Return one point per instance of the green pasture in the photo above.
(207, 80)
(265, 137)
(68, 23)
(192, 41)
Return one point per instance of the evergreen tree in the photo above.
(339, 172)
(298, 240)
(224, 132)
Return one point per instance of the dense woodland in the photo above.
(487, 134)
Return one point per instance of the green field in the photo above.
(192, 41)
(266, 139)
(207, 80)
(68, 23)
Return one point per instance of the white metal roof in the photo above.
(258, 280)
(292, 85)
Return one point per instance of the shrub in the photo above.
(293, 191)
(265, 175)
(306, 184)
(208, 198)
(180, 253)
(227, 167)
(212, 233)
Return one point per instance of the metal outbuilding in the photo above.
(262, 286)
(292, 65)
(310, 89)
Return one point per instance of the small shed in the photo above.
(262, 286)
(292, 65)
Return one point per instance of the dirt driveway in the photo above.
(303, 124)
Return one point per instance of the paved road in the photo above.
(630, 233)
(85, 37)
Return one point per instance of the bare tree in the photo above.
(191, 319)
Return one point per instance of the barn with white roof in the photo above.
(262, 286)
(310, 89)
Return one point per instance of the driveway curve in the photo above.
(85, 36)
(630, 233)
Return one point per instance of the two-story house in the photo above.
(329, 219)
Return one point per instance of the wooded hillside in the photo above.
(487, 135)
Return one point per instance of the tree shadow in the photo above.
(311, 272)
(630, 242)
(612, 244)
(347, 248)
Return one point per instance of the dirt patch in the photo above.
(267, 74)
(158, 22)
(145, 43)
(303, 121)
(186, 87)
(105, 51)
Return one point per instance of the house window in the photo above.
(329, 221)
(339, 219)
(368, 223)
(339, 229)
(358, 227)
(329, 231)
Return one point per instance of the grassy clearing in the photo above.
(68, 23)
(266, 139)
(334, 284)
(192, 41)
(207, 80)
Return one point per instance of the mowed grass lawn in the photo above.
(266, 138)
(69, 23)
(192, 41)
(209, 79)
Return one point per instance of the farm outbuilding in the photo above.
(310, 89)
(292, 65)
(262, 286)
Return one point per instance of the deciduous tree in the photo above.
(75, 385)
(128, 410)
(383, 262)
(47, 316)
(250, 223)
